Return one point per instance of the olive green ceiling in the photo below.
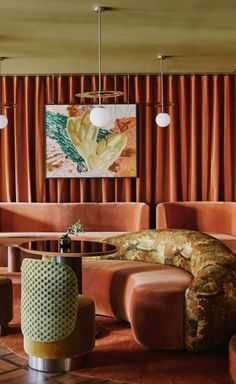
(60, 36)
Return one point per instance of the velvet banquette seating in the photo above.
(20, 221)
(218, 219)
(177, 288)
(58, 324)
(6, 303)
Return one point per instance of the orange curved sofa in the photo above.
(176, 288)
(21, 221)
(218, 219)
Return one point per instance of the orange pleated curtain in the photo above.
(193, 159)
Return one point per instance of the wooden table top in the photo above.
(76, 248)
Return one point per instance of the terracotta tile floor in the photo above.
(14, 370)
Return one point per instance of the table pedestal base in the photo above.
(13, 259)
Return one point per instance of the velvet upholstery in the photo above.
(79, 342)
(210, 298)
(215, 218)
(146, 295)
(56, 217)
(50, 220)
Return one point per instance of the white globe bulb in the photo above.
(3, 121)
(163, 119)
(99, 116)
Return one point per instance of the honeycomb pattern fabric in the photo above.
(210, 299)
(49, 300)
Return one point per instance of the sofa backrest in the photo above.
(204, 216)
(50, 217)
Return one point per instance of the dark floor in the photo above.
(14, 370)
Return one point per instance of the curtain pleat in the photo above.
(206, 119)
(229, 163)
(216, 136)
(184, 133)
(192, 159)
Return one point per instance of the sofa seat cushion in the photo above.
(148, 296)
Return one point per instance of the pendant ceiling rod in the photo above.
(3, 117)
(1, 103)
(99, 94)
(162, 118)
(99, 11)
(161, 58)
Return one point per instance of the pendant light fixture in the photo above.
(99, 116)
(162, 119)
(4, 105)
(3, 118)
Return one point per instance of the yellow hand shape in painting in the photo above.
(98, 156)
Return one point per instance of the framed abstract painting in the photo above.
(77, 148)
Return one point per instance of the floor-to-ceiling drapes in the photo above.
(193, 159)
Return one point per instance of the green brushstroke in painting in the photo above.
(56, 130)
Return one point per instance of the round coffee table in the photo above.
(72, 255)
